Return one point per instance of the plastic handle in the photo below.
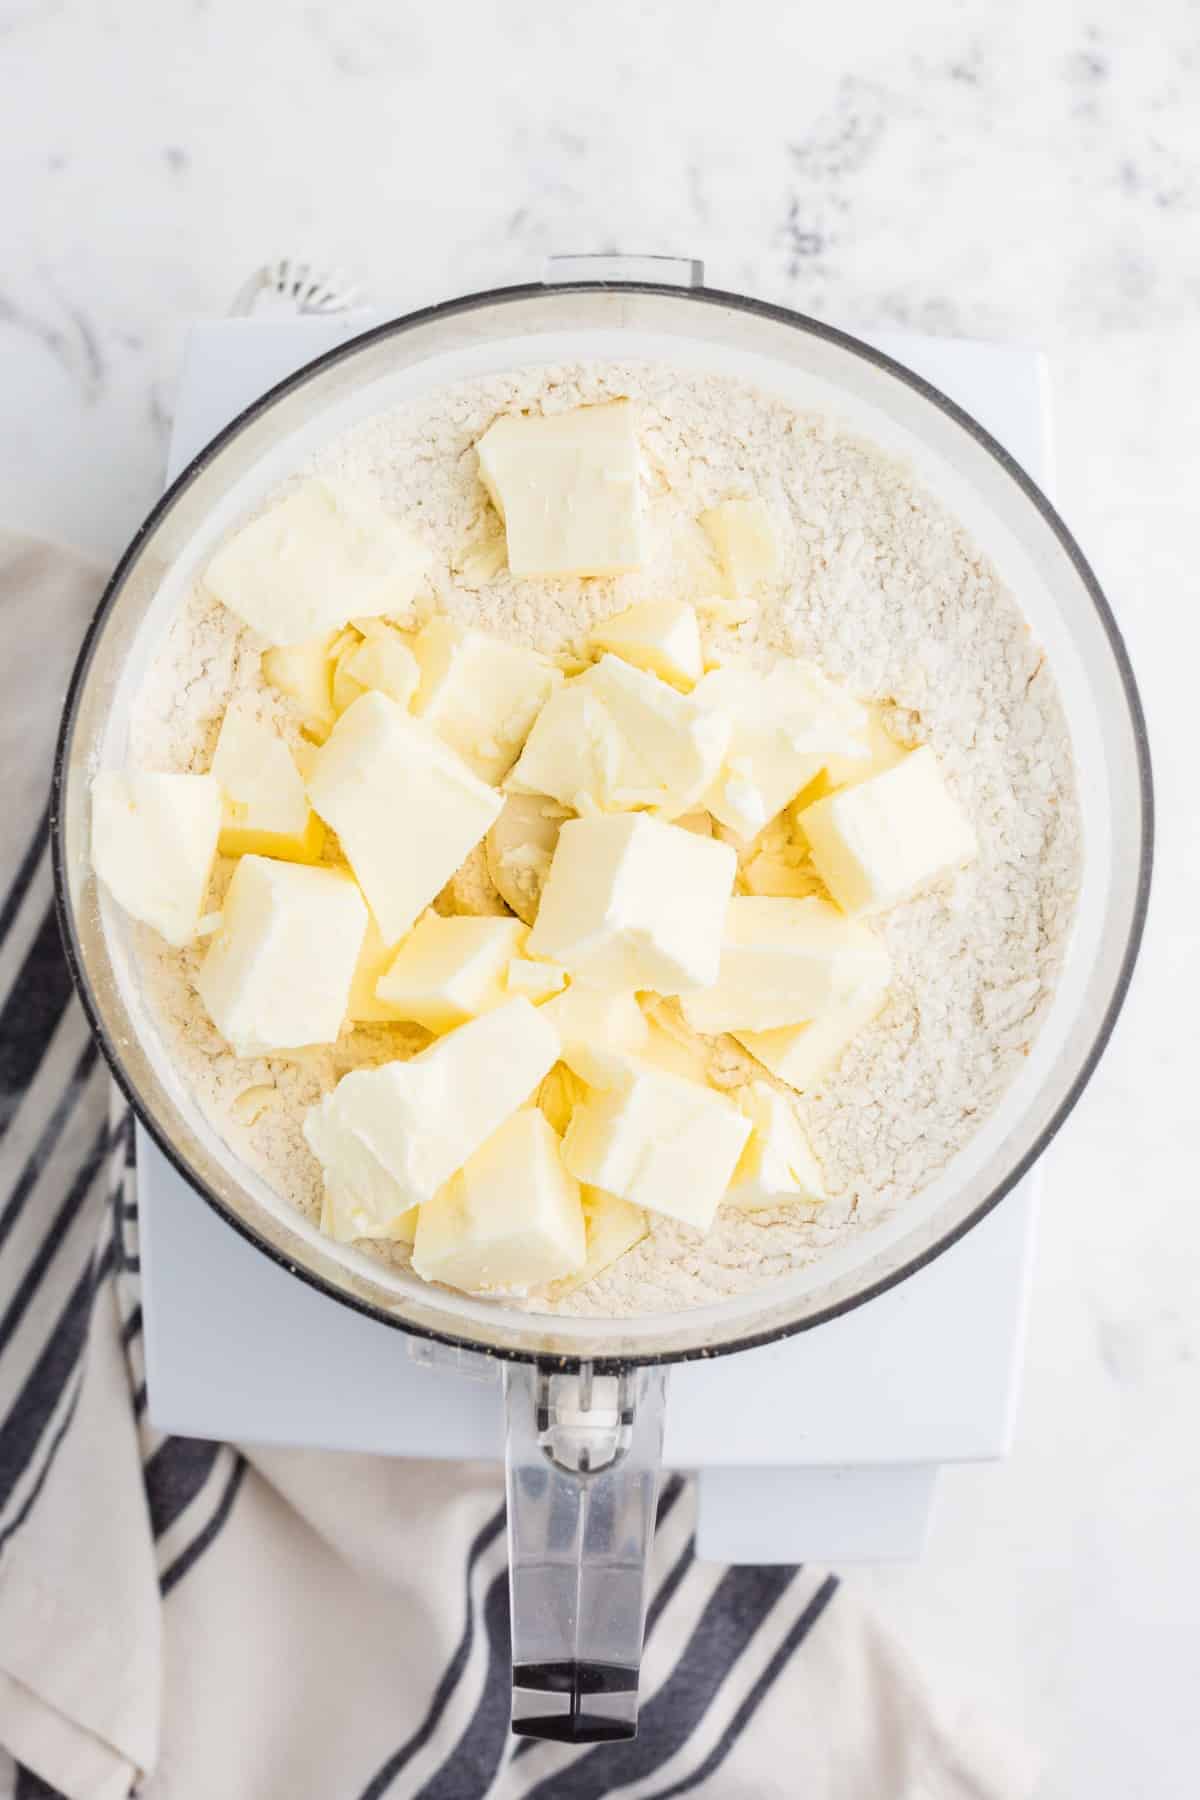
(659, 271)
(583, 1462)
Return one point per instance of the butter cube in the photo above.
(566, 486)
(374, 958)
(633, 903)
(304, 672)
(389, 1137)
(405, 807)
(479, 694)
(784, 962)
(265, 809)
(613, 1228)
(343, 1221)
(660, 1142)
(881, 842)
(314, 560)
(449, 970)
(777, 1166)
(154, 840)
(509, 1219)
(538, 981)
(741, 534)
(882, 752)
(384, 662)
(277, 974)
(617, 738)
(660, 636)
(785, 726)
(600, 1029)
(801, 1054)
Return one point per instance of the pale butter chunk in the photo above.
(510, 1219)
(566, 486)
(304, 672)
(881, 842)
(314, 560)
(538, 981)
(785, 724)
(801, 1054)
(389, 1137)
(479, 694)
(883, 752)
(342, 1220)
(265, 808)
(660, 1142)
(365, 1007)
(784, 962)
(277, 974)
(616, 739)
(406, 808)
(632, 903)
(600, 1029)
(613, 1228)
(778, 1165)
(449, 970)
(154, 840)
(660, 636)
(384, 661)
(740, 532)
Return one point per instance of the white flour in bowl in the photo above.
(886, 592)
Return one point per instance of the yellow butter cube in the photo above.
(784, 962)
(374, 958)
(390, 1137)
(778, 1165)
(633, 903)
(304, 672)
(277, 974)
(660, 636)
(567, 488)
(406, 808)
(802, 1054)
(315, 559)
(660, 1142)
(448, 970)
(786, 724)
(881, 842)
(538, 981)
(384, 661)
(154, 841)
(480, 694)
(265, 809)
(510, 1219)
(745, 543)
(600, 1029)
(613, 1227)
(617, 738)
(344, 1222)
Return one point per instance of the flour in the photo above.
(886, 592)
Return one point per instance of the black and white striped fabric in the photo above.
(189, 1619)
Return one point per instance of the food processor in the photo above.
(585, 1397)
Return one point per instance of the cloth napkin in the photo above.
(186, 1620)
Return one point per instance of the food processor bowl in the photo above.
(585, 1394)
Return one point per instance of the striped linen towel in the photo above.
(185, 1620)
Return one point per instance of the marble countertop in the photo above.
(1026, 174)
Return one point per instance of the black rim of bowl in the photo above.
(460, 1340)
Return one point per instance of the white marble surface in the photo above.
(1028, 173)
